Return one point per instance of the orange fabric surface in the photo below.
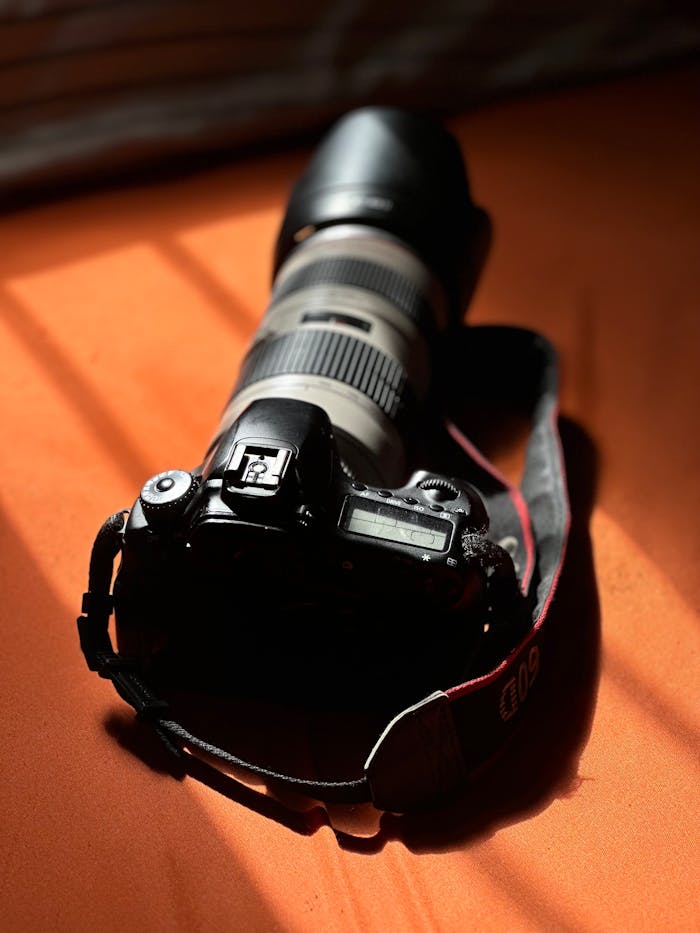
(123, 319)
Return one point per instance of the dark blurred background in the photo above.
(99, 89)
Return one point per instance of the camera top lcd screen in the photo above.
(389, 523)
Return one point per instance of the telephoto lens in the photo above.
(378, 252)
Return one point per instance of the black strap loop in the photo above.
(356, 791)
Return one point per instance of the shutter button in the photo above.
(165, 495)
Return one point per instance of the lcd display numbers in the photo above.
(392, 523)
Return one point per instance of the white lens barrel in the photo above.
(348, 329)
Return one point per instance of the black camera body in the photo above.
(270, 546)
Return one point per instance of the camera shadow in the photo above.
(538, 765)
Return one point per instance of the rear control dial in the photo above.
(439, 490)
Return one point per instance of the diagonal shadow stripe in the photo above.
(75, 389)
(231, 310)
(528, 895)
(649, 701)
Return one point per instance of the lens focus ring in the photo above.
(334, 355)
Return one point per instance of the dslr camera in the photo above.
(323, 541)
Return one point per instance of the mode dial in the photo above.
(165, 495)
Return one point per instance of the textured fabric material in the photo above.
(124, 317)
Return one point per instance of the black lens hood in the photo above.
(402, 173)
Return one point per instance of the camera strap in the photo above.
(452, 734)
(431, 748)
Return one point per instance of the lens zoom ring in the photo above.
(334, 355)
(361, 273)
